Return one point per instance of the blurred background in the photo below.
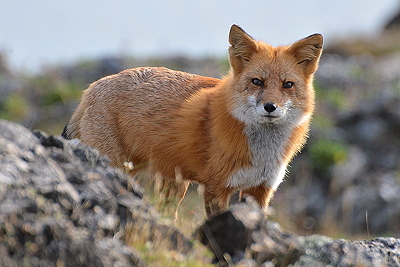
(346, 182)
(34, 34)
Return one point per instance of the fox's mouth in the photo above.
(271, 118)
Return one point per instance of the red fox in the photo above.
(237, 133)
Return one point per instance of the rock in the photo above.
(340, 252)
(263, 243)
(243, 229)
(61, 205)
(214, 234)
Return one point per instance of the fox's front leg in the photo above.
(216, 199)
(261, 193)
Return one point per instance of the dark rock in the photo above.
(48, 141)
(214, 235)
(61, 205)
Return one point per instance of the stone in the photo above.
(62, 205)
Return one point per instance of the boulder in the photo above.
(61, 205)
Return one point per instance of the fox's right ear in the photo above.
(307, 52)
(241, 49)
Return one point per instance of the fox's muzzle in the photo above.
(270, 107)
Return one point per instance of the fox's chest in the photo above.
(267, 147)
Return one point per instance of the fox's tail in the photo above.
(72, 129)
(65, 132)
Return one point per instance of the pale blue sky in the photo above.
(34, 33)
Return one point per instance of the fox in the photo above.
(237, 133)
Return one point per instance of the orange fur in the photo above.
(219, 133)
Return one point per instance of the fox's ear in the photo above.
(307, 52)
(241, 49)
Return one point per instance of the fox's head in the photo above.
(272, 84)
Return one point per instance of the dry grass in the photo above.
(189, 217)
(157, 252)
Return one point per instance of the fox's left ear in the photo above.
(243, 46)
(307, 52)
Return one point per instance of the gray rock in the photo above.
(61, 205)
(341, 253)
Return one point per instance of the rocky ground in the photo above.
(258, 242)
(61, 205)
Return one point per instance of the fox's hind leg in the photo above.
(216, 199)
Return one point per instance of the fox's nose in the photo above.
(270, 107)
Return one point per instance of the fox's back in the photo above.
(130, 110)
(151, 97)
(150, 90)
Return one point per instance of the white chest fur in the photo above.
(267, 143)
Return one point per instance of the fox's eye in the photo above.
(288, 84)
(257, 82)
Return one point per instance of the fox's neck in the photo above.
(267, 145)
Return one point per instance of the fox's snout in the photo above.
(270, 107)
(271, 112)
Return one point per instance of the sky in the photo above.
(36, 33)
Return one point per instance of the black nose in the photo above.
(270, 107)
